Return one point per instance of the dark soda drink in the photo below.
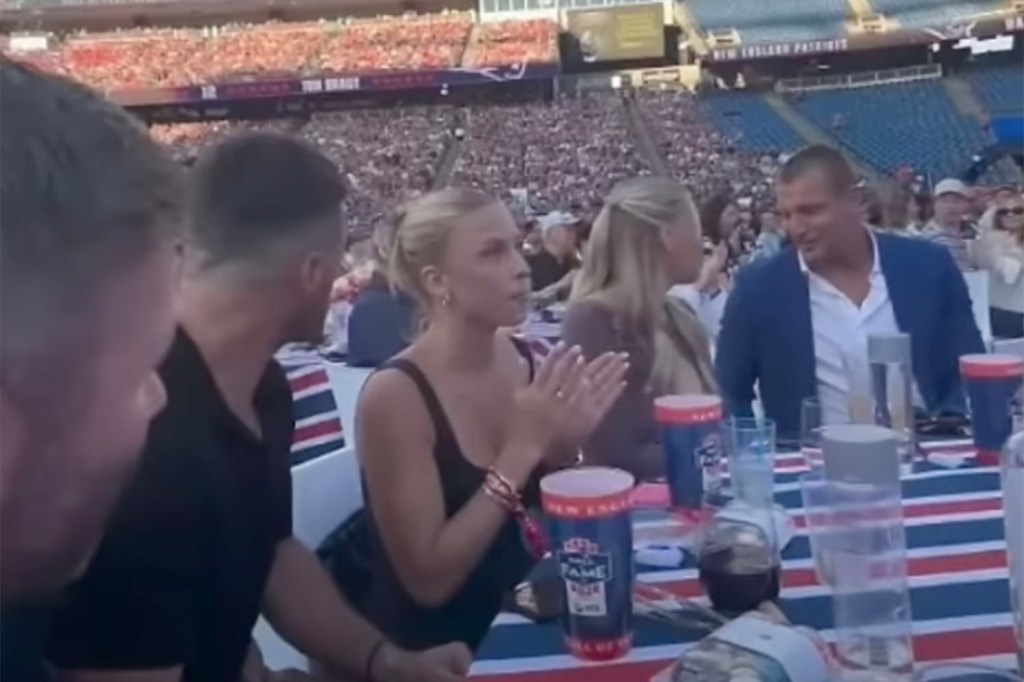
(735, 593)
(738, 569)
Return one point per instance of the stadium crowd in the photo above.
(565, 155)
(703, 157)
(390, 155)
(145, 58)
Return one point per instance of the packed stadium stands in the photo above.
(567, 151)
(780, 20)
(566, 154)
(511, 42)
(186, 57)
(706, 159)
(179, 57)
(389, 155)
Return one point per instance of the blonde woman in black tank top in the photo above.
(463, 399)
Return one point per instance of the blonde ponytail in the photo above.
(424, 227)
(623, 269)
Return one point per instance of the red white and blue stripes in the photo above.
(958, 578)
(318, 428)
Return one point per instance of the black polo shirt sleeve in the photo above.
(134, 608)
(274, 399)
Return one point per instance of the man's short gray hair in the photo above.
(85, 196)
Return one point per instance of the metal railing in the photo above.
(860, 80)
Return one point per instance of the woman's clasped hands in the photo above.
(565, 402)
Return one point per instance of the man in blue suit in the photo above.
(796, 325)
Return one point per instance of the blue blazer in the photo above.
(766, 335)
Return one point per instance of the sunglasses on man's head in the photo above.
(1016, 210)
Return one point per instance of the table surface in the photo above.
(958, 578)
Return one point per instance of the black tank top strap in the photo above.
(523, 348)
(430, 399)
(446, 446)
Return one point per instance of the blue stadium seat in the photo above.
(1000, 88)
(892, 125)
(774, 20)
(752, 122)
(925, 13)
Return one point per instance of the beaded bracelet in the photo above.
(500, 489)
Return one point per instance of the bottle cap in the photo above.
(886, 348)
(860, 453)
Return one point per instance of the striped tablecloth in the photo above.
(959, 586)
(318, 427)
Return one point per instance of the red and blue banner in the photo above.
(333, 83)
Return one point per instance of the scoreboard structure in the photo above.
(618, 33)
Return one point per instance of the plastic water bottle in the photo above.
(866, 546)
(892, 392)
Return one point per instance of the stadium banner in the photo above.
(975, 28)
(618, 33)
(333, 84)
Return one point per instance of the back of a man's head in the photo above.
(258, 197)
(89, 212)
(85, 196)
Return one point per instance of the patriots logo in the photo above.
(580, 546)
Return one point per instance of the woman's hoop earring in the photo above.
(446, 300)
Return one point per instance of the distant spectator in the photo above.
(771, 239)
(551, 268)
(919, 209)
(382, 322)
(894, 202)
(1001, 252)
(947, 225)
(719, 220)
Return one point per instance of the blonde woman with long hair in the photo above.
(453, 433)
(645, 240)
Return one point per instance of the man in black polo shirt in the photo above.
(89, 215)
(202, 542)
(551, 267)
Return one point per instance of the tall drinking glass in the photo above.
(815, 495)
(810, 433)
(751, 450)
(739, 556)
(866, 545)
(1012, 475)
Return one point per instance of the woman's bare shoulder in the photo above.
(389, 392)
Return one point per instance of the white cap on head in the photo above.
(950, 186)
(556, 218)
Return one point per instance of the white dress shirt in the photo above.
(841, 329)
(709, 309)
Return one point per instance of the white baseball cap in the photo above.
(950, 186)
(556, 218)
